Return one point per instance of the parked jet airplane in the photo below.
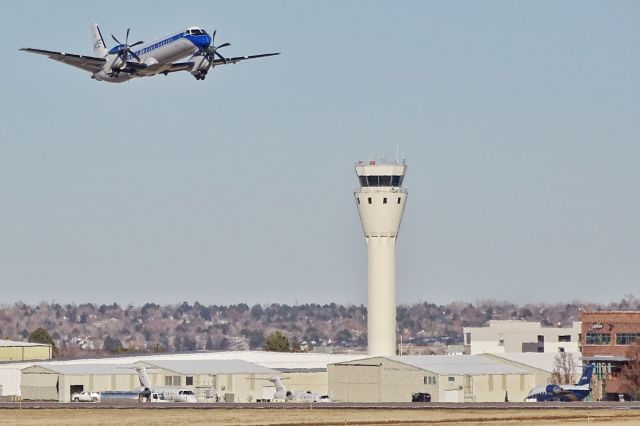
(170, 393)
(564, 393)
(282, 394)
(122, 62)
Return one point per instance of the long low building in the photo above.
(441, 378)
(210, 380)
(302, 371)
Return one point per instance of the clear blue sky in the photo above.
(520, 122)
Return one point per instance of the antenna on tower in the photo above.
(397, 149)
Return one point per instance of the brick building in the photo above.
(606, 339)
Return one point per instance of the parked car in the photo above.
(85, 397)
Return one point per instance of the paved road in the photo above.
(327, 405)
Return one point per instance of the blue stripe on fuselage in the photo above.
(199, 41)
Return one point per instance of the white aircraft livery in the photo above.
(126, 61)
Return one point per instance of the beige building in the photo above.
(463, 378)
(24, 351)
(230, 380)
(212, 381)
(540, 364)
(521, 336)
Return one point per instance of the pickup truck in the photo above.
(85, 397)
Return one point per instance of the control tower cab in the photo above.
(380, 199)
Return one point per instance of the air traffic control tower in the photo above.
(380, 200)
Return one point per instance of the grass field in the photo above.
(302, 416)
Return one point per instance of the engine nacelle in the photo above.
(200, 65)
(117, 64)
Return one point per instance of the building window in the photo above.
(172, 381)
(467, 338)
(451, 379)
(358, 198)
(385, 180)
(188, 381)
(627, 338)
(429, 380)
(369, 200)
(399, 199)
(597, 339)
(384, 200)
(565, 338)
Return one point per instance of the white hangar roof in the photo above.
(15, 343)
(84, 369)
(217, 366)
(453, 365)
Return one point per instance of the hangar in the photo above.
(463, 378)
(211, 380)
(56, 381)
(22, 351)
(230, 380)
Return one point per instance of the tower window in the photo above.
(399, 198)
(358, 198)
(369, 199)
(384, 200)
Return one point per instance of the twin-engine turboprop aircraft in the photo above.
(126, 61)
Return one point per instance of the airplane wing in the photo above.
(188, 66)
(86, 63)
(242, 58)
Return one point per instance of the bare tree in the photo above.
(564, 367)
(631, 371)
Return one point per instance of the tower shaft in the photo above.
(381, 305)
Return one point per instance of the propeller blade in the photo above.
(136, 43)
(223, 45)
(221, 57)
(213, 37)
(135, 56)
(126, 40)
(115, 39)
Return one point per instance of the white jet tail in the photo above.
(144, 379)
(99, 47)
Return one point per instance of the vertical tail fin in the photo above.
(144, 379)
(586, 375)
(99, 47)
(277, 382)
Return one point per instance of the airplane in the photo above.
(563, 393)
(282, 394)
(170, 393)
(125, 61)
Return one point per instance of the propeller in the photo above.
(124, 49)
(211, 51)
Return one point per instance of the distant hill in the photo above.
(89, 329)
